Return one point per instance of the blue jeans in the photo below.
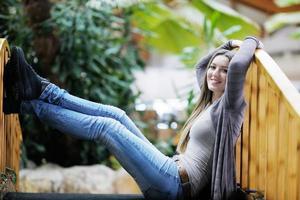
(156, 174)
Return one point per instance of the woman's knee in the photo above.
(103, 125)
(114, 112)
(120, 113)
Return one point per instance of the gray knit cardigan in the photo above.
(227, 115)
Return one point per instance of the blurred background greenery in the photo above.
(91, 49)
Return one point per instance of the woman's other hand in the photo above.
(235, 43)
(260, 45)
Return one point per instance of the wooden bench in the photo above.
(10, 130)
(268, 151)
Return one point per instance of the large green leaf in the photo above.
(280, 20)
(164, 29)
(171, 36)
(227, 19)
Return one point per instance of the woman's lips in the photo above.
(213, 81)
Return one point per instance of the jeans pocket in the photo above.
(154, 193)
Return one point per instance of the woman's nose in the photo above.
(216, 72)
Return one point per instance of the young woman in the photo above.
(205, 156)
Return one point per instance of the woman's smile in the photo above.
(216, 75)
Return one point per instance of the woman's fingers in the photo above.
(236, 43)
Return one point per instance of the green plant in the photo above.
(13, 24)
(95, 60)
(281, 20)
(8, 181)
(230, 22)
(168, 28)
(97, 55)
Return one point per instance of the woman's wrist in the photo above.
(253, 38)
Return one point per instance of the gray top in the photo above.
(197, 158)
(227, 116)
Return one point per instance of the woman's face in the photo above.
(216, 75)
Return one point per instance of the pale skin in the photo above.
(217, 73)
(216, 76)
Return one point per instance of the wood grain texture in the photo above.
(10, 130)
(253, 129)
(270, 139)
(262, 129)
(245, 133)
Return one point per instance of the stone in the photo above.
(98, 179)
(89, 179)
(125, 184)
(47, 178)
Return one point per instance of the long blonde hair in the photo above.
(204, 100)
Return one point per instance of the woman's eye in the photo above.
(225, 70)
(213, 67)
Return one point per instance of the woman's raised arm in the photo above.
(238, 67)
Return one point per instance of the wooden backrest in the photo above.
(268, 151)
(10, 131)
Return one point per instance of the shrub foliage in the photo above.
(86, 49)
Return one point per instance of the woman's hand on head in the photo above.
(259, 45)
(235, 43)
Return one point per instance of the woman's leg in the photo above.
(155, 173)
(55, 95)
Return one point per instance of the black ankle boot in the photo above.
(11, 96)
(21, 82)
(29, 83)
